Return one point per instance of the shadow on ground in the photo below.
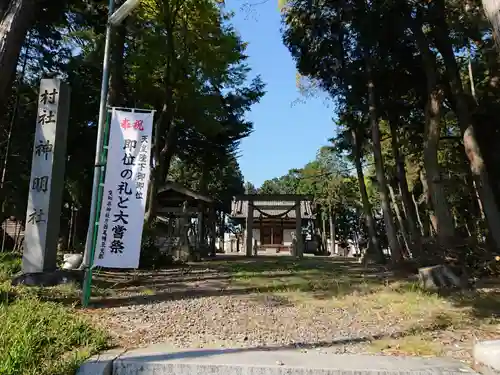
(263, 264)
(202, 293)
(295, 345)
(484, 304)
(262, 278)
(320, 277)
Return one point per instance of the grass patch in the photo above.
(318, 278)
(430, 317)
(40, 337)
(44, 338)
(418, 345)
(147, 292)
(69, 294)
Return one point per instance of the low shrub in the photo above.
(44, 338)
(37, 337)
(10, 264)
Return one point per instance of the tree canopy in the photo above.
(183, 59)
(415, 88)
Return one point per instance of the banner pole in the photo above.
(87, 284)
(101, 123)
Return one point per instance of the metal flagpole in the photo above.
(98, 166)
(114, 19)
(87, 286)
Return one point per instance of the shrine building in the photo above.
(271, 223)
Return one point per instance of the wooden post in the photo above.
(184, 250)
(249, 244)
(201, 226)
(299, 252)
(282, 232)
(213, 228)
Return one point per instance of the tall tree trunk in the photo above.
(16, 17)
(472, 149)
(444, 227)
(423, 228)
(432, 218)
(493, 65)
(10, 132)
(324, 242)
(402, 228)
(373, 244)
(475, 205)
(165, 129)
(331, 220)
(117, 94)
(396, 254)
(492, 11)
(356, 243)
(163, 159)
(477, 215)
(409, 208)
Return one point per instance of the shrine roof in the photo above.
(173, 191)
(272, 197)
(271, 205)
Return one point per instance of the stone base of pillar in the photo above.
(57, 277)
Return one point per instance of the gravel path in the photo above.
(236, 321)
(202, 309)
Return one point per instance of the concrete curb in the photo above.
(101, 364)
(249, 361)
(487, 357)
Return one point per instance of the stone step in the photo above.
(160, 360)
(487, 357)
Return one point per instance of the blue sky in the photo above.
(286, 135)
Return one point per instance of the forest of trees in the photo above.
(415, 87)
(330, 182)
(411, 167)
(182, 58)
(414, 84)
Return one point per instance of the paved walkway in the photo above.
(161, 360)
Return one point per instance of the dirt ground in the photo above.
(280, 301)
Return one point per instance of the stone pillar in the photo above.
(249, 228)
(43, 214)
(200, 226)
(299, 252)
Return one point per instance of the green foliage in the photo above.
(182, 58)
(287, 184)
(37, 337)
(10, 264)
(43, 338)
(249, 188)
(224, 180)
(328, 182)
(345, 47)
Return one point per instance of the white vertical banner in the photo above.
(125, 189)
